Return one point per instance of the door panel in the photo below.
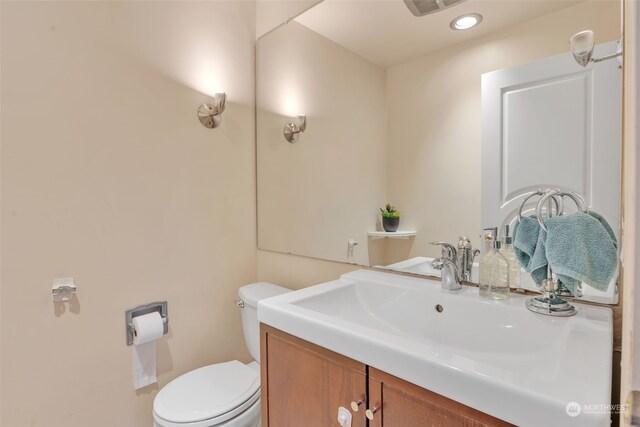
(405, 404)
(552, 123)
(306, 384)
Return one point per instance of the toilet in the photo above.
(224, 394)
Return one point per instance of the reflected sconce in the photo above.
(210, 115)
(582, 48)
(292, 130)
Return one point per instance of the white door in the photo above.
(552, 123)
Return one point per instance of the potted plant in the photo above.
(390, 218)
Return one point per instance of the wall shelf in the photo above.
(400, 234)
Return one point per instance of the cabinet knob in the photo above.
(371, 412)
(354, 405)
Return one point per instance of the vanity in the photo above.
(407, 353)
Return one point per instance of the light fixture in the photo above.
(582, 44)
(210, 115)
(292, 130)
(466, 21)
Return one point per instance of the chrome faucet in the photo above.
(456, 263)
(449, 273)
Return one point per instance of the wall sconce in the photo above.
(582, 48)
(292, 130)
(210, 115)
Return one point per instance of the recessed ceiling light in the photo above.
(464, 22)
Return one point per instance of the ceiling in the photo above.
(386, 33)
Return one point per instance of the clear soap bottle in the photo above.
(509, 253)
(494, 271)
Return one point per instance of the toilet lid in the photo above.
(207, 392)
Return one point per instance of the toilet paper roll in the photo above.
(146, 330)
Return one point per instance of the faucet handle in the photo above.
(448, 250)
(437, 263)
(464, 243)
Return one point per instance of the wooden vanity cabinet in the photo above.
(303, 385)
(405, 404)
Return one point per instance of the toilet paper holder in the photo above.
(141, 310)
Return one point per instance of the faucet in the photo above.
(456, 262)
(449, 273)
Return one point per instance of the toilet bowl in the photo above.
(224, 394)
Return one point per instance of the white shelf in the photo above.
(400, 234)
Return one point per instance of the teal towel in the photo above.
(582, 247)
(578, 247)
(529, 246)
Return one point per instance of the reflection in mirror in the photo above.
(404, 110)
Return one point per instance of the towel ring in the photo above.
(581, 204)
(578, 200)
(559, 205)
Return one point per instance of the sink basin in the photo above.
(495, 356)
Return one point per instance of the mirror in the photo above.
(406, 110)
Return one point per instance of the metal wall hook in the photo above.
(63, 289)
(210, 115)
(292, 130)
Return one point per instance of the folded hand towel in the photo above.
(581, 247)
(578, 247)
(529, 245)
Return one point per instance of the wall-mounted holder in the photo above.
(63, 289)
(159, 306)
(210, 115)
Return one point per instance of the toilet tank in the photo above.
(250, 295)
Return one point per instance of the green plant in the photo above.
(389, 212)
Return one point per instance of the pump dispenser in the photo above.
(509, 253)
(494, 271)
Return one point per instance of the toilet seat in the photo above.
(209, 395)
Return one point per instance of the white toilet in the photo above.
(225, 394)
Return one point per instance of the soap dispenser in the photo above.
(509, 253)
(494, 271)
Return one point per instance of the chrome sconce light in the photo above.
(582, 48)
(210, 115)
(292, 130)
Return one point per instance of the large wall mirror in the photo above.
(451, 127)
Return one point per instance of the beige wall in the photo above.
(108, 177)
(315, 195)
(296, 272)
(435, 119)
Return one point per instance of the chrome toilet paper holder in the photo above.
(141, 310)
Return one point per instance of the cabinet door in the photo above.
(304, 385)
(398, 403)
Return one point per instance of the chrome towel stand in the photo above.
(550, 302)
